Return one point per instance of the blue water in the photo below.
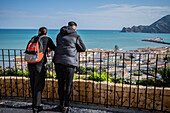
(106, 39)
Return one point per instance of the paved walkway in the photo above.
(24, 106)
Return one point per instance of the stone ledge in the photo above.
(102, 94)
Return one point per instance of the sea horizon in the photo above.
(62, 26)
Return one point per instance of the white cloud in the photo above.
(108, 6)
(110, 16)
(124, 15)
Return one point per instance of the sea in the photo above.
(102, 39)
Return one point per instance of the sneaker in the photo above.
(37, 109)
(59, 108)
(66, 110)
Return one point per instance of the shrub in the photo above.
(82, 70)
(117, 80)
(165, 75)
(51, 75)
(14, 72)
(151, 82)
(79, 77)
(96, 76)
(0, 68)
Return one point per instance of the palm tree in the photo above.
(116, 48)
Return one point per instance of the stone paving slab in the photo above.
(24, 106)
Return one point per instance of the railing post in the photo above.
(147, 81)
(100, 74)
(138, 81)
(115, 78)
(79, 77)
(131, 55)
(10, 70)
(16, 69)
(155, 81)
(3, 59)
(93, 80)
(164, 77)
(22, 72)
(86, 77)
(46, 79)
(123, 77)
(107, 78)
(53, 80)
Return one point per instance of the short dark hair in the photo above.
(72, 23)
(43, 31)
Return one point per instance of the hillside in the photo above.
(160, 26)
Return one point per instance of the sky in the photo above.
(88, 14)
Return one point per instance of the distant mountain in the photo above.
(160, 26)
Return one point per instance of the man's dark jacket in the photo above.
(68, 44)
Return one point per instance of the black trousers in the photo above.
(65, 77)
(37, 81)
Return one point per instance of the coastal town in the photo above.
(122, 63)
(126, 63)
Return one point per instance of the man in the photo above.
(37, 71)
(66, 59)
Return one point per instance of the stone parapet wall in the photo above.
(92, 92)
